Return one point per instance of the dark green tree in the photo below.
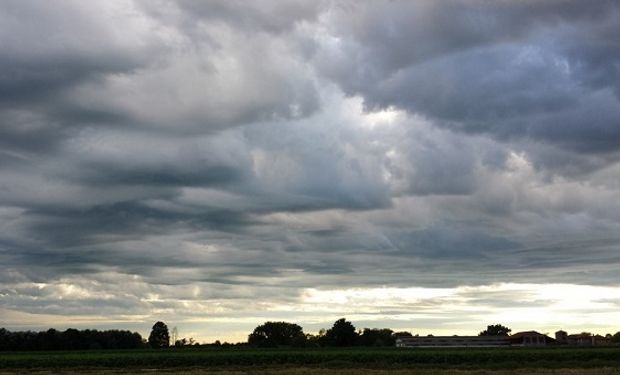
(495, 330)
(159, 337)
(71, 339)
(402, 334)
(342, 333)
(273, 334)
(377, 337)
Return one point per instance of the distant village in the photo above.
(526, 338)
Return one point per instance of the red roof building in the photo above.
(530, 338)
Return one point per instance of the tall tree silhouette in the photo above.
(159, 337)
(342, 333)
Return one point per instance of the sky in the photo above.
(426, 166)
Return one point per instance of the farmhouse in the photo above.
(530, 338)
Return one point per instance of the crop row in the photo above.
(358, 357)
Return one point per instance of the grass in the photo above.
(319, 361)
(315, 371)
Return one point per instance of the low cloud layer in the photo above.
(240, 155)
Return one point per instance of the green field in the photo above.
(317, 371)
(326, 358)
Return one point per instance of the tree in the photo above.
(185, 342)
(70, 339)
(377, 337)
(496, 330)
(342, 333)
(318, 340)
(272, 334)
(159, 337)
(402, 334)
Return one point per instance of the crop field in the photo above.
(318, 361)
(318, 371)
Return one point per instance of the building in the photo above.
(587, 339)
(581, 339)
(526, 338)
(451, 341)
(530, 338)
(561, 337)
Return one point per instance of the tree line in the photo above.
(267, 335)
(342, 333)
(283, 334)
(70, 339)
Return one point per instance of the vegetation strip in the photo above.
(381, 358)
(323, 371)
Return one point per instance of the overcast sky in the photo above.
(434, 166)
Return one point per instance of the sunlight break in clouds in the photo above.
(459, 310)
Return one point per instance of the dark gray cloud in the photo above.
(69, 44)
(525, 69)
(260, 17)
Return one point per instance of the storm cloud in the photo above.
(236, 160)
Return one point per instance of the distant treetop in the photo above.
(273, 334)
(496, 330)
